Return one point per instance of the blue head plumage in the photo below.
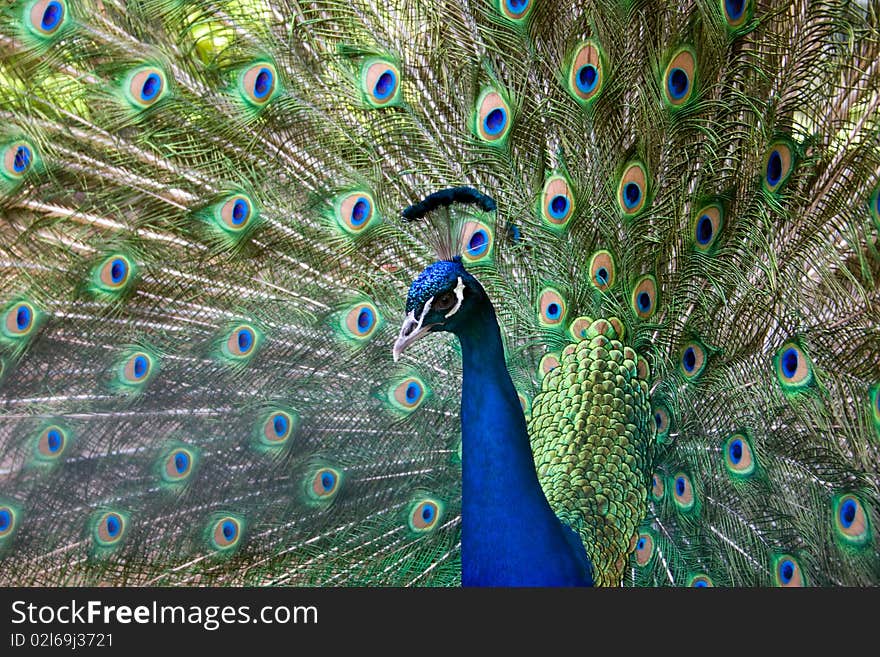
(441, 298)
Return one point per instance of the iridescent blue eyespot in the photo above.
(587, 77)
(514, 10)
(478, 243)
(23, 318)
(774, 169)
(779, 164)
(17, 159)
(380, 82)
(22, 160)
(632, 189)
(492, 117)
(44, 18)
(360, 321)
(693, 360)
(644, 297)
(586, 72)
(407, 395)
(679, 78)
(277, 428)
(241, 342)
(424, 515)
(632, 194)
(495, 121)
(355, 211)
(644, 549)
(8, 521)
(683, 492)
(602, 270)
(145, 86)
(551, 308)
(51, 443)
(225, 532)
(704, 230)
(140, 367)
(258, 83)
(324, 484)
(109, 529)
(735, 8)
(678, 83)
(851, 521)
(793, 368)
(787, 571)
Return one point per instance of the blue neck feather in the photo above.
(510, 535)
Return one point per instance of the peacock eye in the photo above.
(444, 301)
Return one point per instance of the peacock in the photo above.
(439, 292)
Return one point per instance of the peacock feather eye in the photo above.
(380, 82)
(355, 212)
(683, 492)
(557, 202)
(632, 192)
(787, 571)
(644, 548)
(18, 158)
(644, 298)
(178, 465)
(552, 308)
(51, 443)
(692, 360)
(477, 240)
(586, 74)
(662, 423)
(44, 18)
(738, 456)
(778, 165)
(794, 370)
(851, 522)
(680, 77)
(20, 320)
(323, 484)
(235, 213)
(108, 528)
(9, 519)
(700, 581)
(241, 342)
(424, 515)
(361, 321)
(145, 86)
(736, 12)
(603, 271)
(277, 427)
(549, 362)
(579, 328)
(225, 532)
(408, 394)
(113, 274)
(136, 369)
(258, 83)
(707, 227)
(492, 118)
(658, 488)
(514, 10)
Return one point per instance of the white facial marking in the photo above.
(459, 293)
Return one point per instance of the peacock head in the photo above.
(441, 298)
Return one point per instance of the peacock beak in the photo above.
(411, 331)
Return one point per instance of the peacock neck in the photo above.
(510, 535)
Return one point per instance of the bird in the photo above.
(432, 293)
